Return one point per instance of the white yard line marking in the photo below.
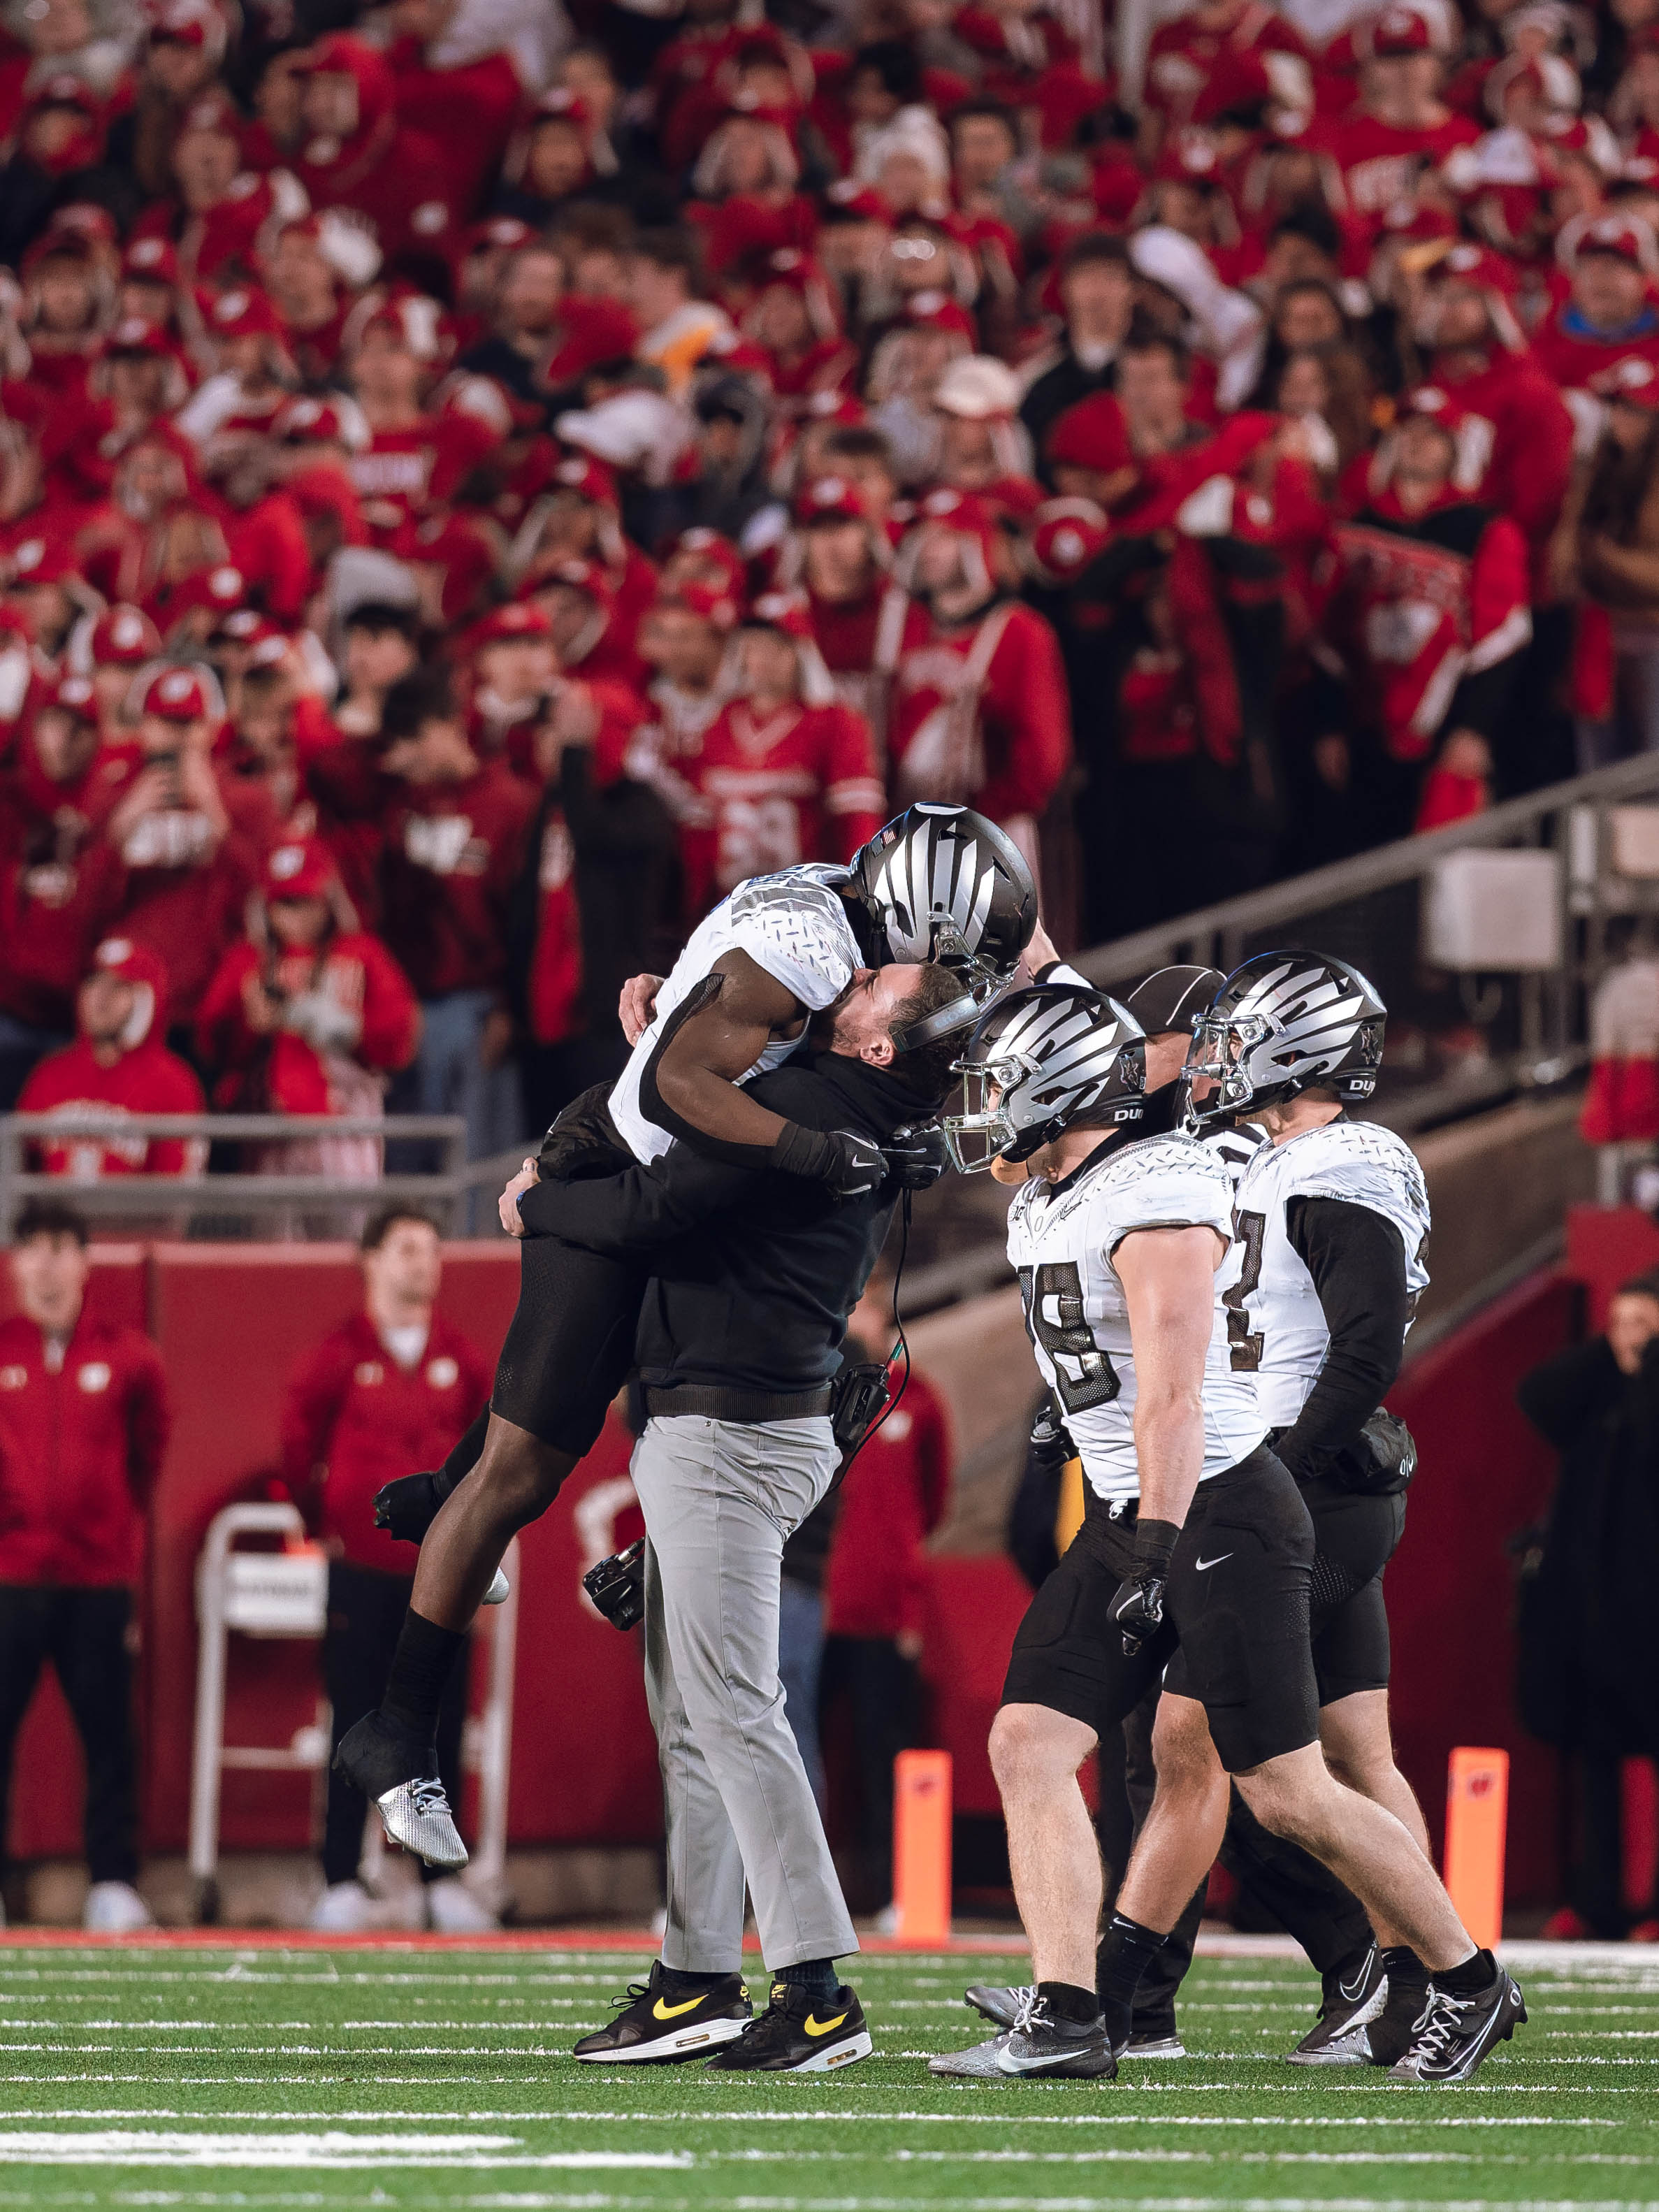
(565, 2117)
(332, 2148)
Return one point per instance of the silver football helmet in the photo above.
(1279, 1025)
(942, 882)
(1040, 1061)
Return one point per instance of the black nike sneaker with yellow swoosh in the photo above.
(799, 2034)
(655, 2026)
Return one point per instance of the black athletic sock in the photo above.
(420, 1667)
(1404, 1969)
(1126, 1951)
(674, 1984)
(1067, 2001)
(817, 1977)
(1471, 1979)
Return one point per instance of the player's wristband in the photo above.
(1154, 1542)
(800, 1151)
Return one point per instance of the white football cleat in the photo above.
(416, 1815)
(115, 1908)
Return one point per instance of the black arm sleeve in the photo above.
(637, 1213)
(1357, 1261)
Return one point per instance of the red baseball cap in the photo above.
(244, 312)
(719, 609)
(150, 261)
(298, 868)
(123, 637)
(587, 478)
(76, 695)
(828, 499)
(1632, 383)
(1398, 31)
(176, 694)
(132, 335)
(42, 561)
(576, 576)
(132, 962)
(780, 610)
(1092, 435)
(510, 625)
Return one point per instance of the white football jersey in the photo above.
(1062, 1244)
(1275, 1324)
(795, 925)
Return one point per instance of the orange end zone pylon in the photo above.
(921, 1848)
(1476, 1812)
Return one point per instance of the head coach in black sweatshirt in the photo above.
(754, 1274)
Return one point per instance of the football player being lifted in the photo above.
(1332, 1219)
(938, 883)
(1196, 1538)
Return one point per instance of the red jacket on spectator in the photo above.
(286, 1072)
(185, 886)
(142, 1078)
(355, 1418)
(1185, 54)
(398, 180)
(468, 110)
(1380, 161)
(997, 737)
(801, 786)
(1423, 602)
(81, 1443)
(893, 1498)
(453, 852)
(1574, 356)
(1530, 460)
(61, 886)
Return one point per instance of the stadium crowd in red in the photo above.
(476, 482)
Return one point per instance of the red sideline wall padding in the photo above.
(1607, 1245)
(1484, 1474)
(231, 1322)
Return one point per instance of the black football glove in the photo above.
(1050, 1447)
(406, 1508)
(848, 1165)
(916, 1158)
(1138, 1608)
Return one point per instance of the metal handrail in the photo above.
(145, 1196)
(1400, 862)
(87, 1121)
(1551, 1006)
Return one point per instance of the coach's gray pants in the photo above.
(719, 1499)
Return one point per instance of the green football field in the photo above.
(160, 2074)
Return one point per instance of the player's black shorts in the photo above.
(1236, 1619)
(571, 1342)
(1354, 1538)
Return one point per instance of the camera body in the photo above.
(616, 1586)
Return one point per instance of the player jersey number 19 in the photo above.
(1052, 1293)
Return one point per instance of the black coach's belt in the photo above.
(716, 1403)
